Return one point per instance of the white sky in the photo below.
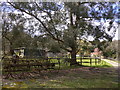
(117, 35)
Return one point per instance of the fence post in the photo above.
(99, 60)
(81, 60)
(95, 61)
(59, 62)
(90, 61)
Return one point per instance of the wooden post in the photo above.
(90, 61)
(95, 61)
(59, 62)
(99, 60)
(81, 60)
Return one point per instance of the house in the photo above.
(51, 54)
(19, 51)
(96, 53)
(25, 52)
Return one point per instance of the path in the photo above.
(113, 63)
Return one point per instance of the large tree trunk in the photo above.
(11, 49)
(3, 47)
(73, 58)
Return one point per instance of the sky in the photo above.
(117, 35)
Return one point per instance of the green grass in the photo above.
(71, 77)
(81, 83)
(82, 78)
(86, 62)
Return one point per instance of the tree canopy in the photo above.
(68, 22)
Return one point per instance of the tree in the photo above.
(68, 22)
(13, 34)
(112, 50)
(118, 53)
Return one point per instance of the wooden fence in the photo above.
(89, 60)
(39, 64)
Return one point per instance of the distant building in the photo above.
(20, 52)
(24, 52)
(96, 53)
(51, 54)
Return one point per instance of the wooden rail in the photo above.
(38, 64)
(24, 64)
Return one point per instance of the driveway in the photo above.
(113, 63)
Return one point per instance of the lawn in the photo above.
(85, 62)
(83, 77)
(101, 75)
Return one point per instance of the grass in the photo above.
(79, 83)
(85, 62)
(101, 76)
(72, 78)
